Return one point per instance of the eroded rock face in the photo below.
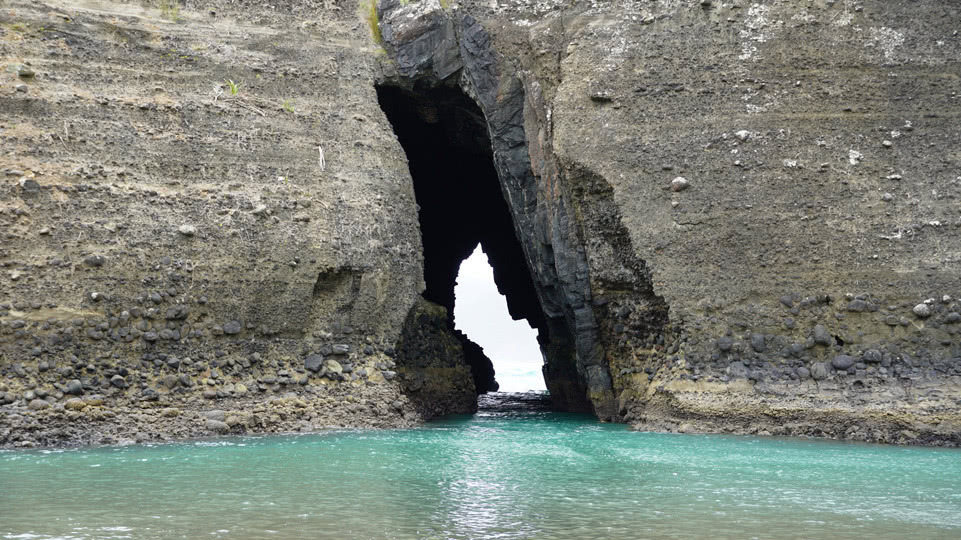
(575, 368)
(226, 216)
(699, 191)
(432, 366)
(782, 226)
(184, 224)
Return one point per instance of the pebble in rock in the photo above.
(314, 363)
(842, 362)
(38, 405)
(819, 371)
(94, 260)
(679, 184)
(922, 310)
(187, 230)
(75, 387)
(737, 370)
(821, 336)
(233, 327)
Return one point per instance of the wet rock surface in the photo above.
(107, 420)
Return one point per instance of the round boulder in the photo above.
(822, 336)
(38, 405)
(819, 371)
(75, 387)
(842, 362)
(872, 356)
(216, 426)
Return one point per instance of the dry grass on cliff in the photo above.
(369, 12)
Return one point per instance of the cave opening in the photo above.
(461, 205)
(480, 311)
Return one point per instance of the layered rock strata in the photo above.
(739, 233)
(737, 216)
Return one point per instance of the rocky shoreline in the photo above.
(94, 420)
(901, 425)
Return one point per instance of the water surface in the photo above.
(505, 473)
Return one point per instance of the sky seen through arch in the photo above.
(480, 311)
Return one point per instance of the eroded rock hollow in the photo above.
(444, 135)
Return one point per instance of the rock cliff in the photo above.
(720, 216)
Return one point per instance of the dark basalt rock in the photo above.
(314, 363)
(842, 362)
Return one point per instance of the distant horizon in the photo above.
(480, 311)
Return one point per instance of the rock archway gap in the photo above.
(461, 206)
(480, 311)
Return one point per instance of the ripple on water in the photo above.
(513, 471)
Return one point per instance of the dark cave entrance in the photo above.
(445, 136)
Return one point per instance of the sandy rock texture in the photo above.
(196, 201)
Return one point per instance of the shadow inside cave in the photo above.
(461, 205)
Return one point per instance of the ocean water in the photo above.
(512, 471)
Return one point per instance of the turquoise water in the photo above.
(502, 474)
